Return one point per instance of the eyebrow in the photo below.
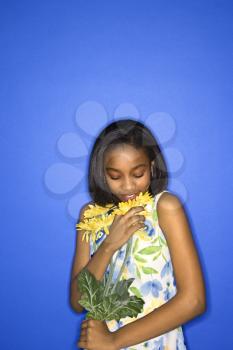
(136, 167)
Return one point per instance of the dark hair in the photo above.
(129, 132)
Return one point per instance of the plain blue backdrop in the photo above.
(61, 59)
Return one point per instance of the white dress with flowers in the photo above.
(150, 264)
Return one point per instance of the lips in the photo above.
(127, 197)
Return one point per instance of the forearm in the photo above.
(167, 317)
(97, 265)
(99, 262)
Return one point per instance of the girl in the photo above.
(126, 160)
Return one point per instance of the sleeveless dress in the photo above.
(149, 263)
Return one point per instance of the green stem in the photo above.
(111, 271)
(127, 253)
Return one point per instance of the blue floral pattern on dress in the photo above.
(149, 228)
(153, 287)
(100, 236)
(167, 269)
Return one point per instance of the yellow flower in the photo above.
(95, 224)
(140, 200)
(95, 210)
(95, 218)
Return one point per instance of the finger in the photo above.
(84, 324)
(135, 227)
(83, 331)
(139, 217)
(133, 211)
(82, 338)
(116, 217)
(82, 344)
(135, 219)
(137, 224)
(137, 209)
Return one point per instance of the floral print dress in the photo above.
(148, 261)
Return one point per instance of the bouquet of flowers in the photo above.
(105, 300)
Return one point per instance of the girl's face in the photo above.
(127, 171)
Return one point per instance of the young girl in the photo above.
(125, 161)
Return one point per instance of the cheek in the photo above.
(111, 184)
(146, 179)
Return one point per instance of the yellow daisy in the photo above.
(93, 225)
(95, 210)
(140, 200)
(95, 218)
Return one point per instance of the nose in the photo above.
(128, 186)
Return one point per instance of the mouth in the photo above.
(127, 197)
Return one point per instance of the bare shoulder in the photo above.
(169, 202)
(171, 215)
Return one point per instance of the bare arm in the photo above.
(189, 301)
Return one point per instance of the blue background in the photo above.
(172, 56)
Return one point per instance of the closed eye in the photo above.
(138, 175)
(117, 178)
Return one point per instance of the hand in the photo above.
(95, 335)
(123, 226)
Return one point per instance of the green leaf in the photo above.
(122, 287)
(149, 270)
(149, 250)
(114, 306)
(140, 259)
(156, 257)
(91, 292)
(136, 291)
(90, 287)
(105, 279)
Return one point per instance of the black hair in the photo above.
(136, 134)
